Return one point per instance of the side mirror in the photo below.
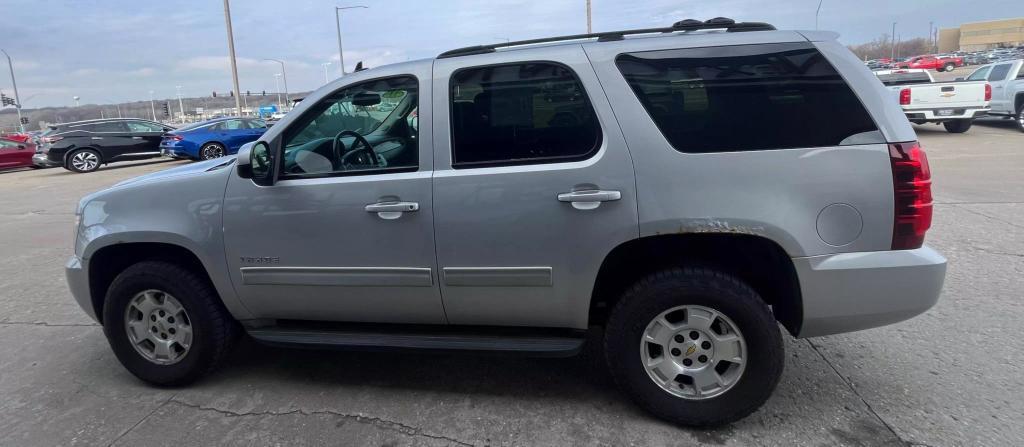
(21, 146)
(960, 78)
(256, 162)
(366, 99)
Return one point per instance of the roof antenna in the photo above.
(359, 66)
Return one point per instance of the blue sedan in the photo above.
(211, 139)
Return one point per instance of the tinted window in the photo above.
(520, 114)
(113, 126)
(324, 140)
(142, 126)
(979, 74)
(743, 98)
(256, 124)
(999, 72)
(229, 125)
(8, 143)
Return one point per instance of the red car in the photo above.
(15, 154)
(930, 62)
(19, 137)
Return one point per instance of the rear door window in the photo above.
(999, 72)
(745, 98)
(113, 126)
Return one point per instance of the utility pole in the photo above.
(816, 11)
(14, 83)
(181, 105)
(234, 64)
(337, 24)
(277, 86)
(118, 110)
(152, 105)
(892, 43)
(325, 65)
(589, 28)
(284, 76)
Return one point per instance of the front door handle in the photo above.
(136, 138)
(392, 210)
(589, 199)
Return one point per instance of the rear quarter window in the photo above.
(745, 98)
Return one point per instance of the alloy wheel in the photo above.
(212, 151)
(85, 161)
(693, 352)
(158, 327)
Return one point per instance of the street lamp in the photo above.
(284, 75)
(181, 105)
(816, 11)
(337, 23)
(892, 43)
(152, 105)
(14, 83)
(277, 86)
(234, 64)
(325, 65)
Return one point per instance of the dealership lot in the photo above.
(952, 376)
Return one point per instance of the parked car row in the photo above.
(84, 146)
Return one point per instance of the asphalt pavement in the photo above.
(953, 376)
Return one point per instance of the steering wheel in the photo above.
(362, 156)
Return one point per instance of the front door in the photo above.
(14, 154)
(346, 233)
(533, 187)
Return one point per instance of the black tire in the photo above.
(1020, 116)
(948, 67)
(957, 126)
(70, 164)
(213, 328)
(210, 151)
(709, 288)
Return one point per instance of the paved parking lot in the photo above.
(954, 376)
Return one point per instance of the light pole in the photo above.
(892, 43)
(337, 24)
(152, 105)
(14, 83)
(234, 64)
(816, 11)
(277, 86)
(284, 76)
(325, 65)
(181, 105)
(118, 110)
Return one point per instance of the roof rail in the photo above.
(727, 24)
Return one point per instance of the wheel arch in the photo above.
(757, 260)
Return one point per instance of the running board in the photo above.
(539, 345)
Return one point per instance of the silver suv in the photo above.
(682, 190)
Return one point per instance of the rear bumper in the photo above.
(852, 291)
(43, 161)
(78, 283)
(932, 115)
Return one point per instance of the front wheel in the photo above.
(694, 346)
(1020, 117)
(212, 150)
(948, 67)
(957, 126)
(166, 324)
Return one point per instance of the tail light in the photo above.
(905, 97)
(174, 137)
(988, 92)
(912, 188)
(51, 140)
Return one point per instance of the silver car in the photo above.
(684, 190)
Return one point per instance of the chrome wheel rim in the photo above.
(158, 327)
(693, 352)
(212, 151)
(85, 161)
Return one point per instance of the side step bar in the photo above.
(538, 345)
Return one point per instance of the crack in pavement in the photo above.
(43, 323)
(979, 213)
(871, 409)
(129, 430)
(994, 252)
(378, 422)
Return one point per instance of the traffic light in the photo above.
(167, 109)
(246, 93)
(214, 94)
(24, 120)
(232, 94)
(264, 93)
(6, 100)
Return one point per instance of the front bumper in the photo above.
(78, 283)
(42, 161)
(852, 291)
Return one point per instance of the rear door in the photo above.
(112, 138)
(146, 136)
(533, 187)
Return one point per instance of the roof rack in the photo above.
(727, 24)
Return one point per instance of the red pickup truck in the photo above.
(930, 62)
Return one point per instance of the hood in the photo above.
(189, 169)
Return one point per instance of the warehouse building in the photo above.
(980, 36)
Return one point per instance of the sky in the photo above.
(108, 51)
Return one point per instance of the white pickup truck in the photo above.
(954, 104)
(1007, 81)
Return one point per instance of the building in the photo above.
(979, 36)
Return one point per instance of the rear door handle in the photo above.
(589, 199)
(392, 210)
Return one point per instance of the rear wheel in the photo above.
(83, 160)
(948, 67)
(957, 126)
(211, 151)
(166, 324)
(694, 346)
(1020, 116)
